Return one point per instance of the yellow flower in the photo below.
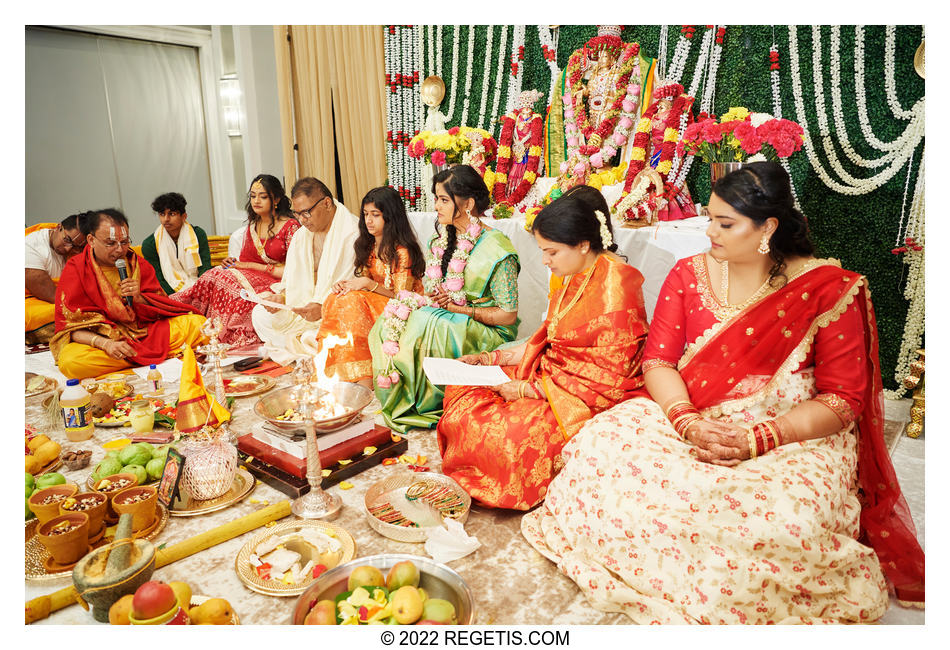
(504, 152)
(530, 176)
(501, 178)
(665, 167)
(734, 113)
(595, 182)
(671, 135)
(489, 179)
(643, 125)
(535, 151)
(638, 154)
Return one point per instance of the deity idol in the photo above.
(595, 104)
(520, 150)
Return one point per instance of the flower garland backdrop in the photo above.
(859, 230)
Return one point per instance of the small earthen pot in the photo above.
(142, 511)
(95, 513)
(46, 511)
(111, 515)
(68, 547)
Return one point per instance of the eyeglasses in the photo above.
(69, 243)
(306, 213)
(114, 244)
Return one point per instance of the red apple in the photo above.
(152, 599)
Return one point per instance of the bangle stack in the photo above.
(681, 414)
(764, 437)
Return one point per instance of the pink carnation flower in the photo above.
(383, 381)
(597, 160)
(391, 348)
(434, 272)
(454, 284)
(627, 106)
(620, 139)
(572, 142)
(389, 309)
(402, 312)
(465, 245)
(609, 151)
(438, 157)
(633, 89)
(626, 123)
(474, 230)
(579, 169)
(457, 265)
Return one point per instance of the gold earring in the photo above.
(763, 245)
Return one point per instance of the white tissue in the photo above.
(450, 543)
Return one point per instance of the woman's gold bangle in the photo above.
(521, 388)
(373, 290)
(753, 448)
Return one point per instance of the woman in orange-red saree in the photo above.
(503, 443)
(388, 260)
(755, 487)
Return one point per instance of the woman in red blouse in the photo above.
(755, 487)
(261, 263)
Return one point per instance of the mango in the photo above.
(402, 574)
(214, 611)
(183, 593)
(47, 452)
(37, 441)
(407, 605)
(323, 613)
(120, 610)
(438, 610)
(33, 465)
(365, 576)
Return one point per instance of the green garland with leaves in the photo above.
(860, 230)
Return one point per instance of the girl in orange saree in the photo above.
(761, 491)
(388, 260)
(502, 444)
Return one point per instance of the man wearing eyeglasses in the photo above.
(47, 249)
(320, 255)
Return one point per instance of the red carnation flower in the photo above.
(454, 130)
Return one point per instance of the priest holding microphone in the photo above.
(111, 312)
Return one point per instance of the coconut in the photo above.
(100, 404)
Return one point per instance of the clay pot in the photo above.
(66, 548)
(95, 513)
(45, 512)
(111, 515)
(143, 512)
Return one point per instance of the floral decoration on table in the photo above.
(739, 135)
(636, 203)
(449, 147)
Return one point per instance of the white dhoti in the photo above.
(286, 335)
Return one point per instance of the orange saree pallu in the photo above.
(585, 357)
(356, 312)
(87, 299)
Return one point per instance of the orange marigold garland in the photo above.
(503, 167)
(634, 204)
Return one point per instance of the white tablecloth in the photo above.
(653, 250)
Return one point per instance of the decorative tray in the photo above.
(289, 531)
(39, 388)
(37, 555)
(242, 486)
(119, 415)
(247, 385)
(431, 498)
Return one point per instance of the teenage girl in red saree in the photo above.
(757, 487)
(503, 443)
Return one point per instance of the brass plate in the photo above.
(197, 600)
(56, 463)
(248, 575)
(263, 383)
(36, 553)
(919, 60)
(124, 421)
(48, 384)
(242, 486)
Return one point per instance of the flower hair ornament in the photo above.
(605, 237)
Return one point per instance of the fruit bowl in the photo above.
(438, 580)
(353, 397)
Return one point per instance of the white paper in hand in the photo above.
(445, 372)
(267, 303)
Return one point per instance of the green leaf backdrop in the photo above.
(861, 230)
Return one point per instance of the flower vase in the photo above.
(209, 468)
(719, 169)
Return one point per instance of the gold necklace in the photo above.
(558, 314)
(724, 289)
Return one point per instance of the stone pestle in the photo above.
(119, 557)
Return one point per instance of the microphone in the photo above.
(124, 274)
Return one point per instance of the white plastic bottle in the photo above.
(74, 403)
(155, 380)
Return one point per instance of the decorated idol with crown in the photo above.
(596, 105)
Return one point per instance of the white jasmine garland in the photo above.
(468, 75)
(661, 55)
(680, 54)
(860, 95)
(710, 88)
(890, 89)
(485, 72)
(548, 39)
(450, 110)
(514, 83)
(500, 71)
(704, 52)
